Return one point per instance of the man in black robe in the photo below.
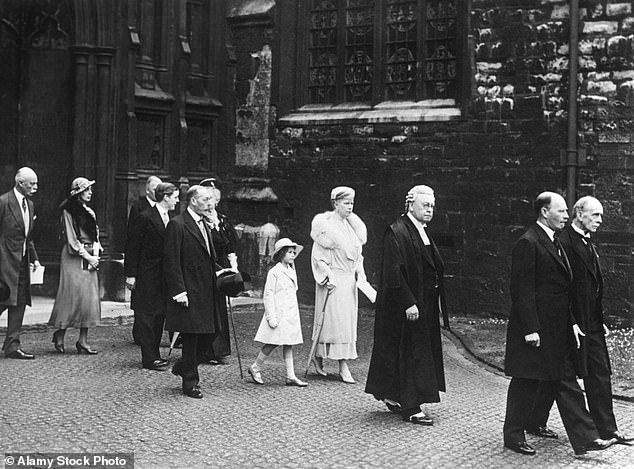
(406, 369)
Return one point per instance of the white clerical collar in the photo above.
(549, 231)
(150, 201)
(19, 196)
(580, 231)
(194, 215)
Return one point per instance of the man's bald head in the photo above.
(26, 181)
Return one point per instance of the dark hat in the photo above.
(209, 182)
(5, 292)
(231, 283)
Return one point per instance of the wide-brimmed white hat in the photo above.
(79, 185)
(286, 242)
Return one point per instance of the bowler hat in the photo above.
(231, 283)
(5, 292)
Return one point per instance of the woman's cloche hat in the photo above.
(286, 242)
(79, 185)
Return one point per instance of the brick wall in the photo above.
(489, 165)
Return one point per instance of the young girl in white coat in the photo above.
(280, 324)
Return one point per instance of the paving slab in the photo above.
(107, 403)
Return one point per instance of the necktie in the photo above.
(25, 218)
(562, 254)
(25, 215)
(205, 233)
(591, 248)
(165, 218)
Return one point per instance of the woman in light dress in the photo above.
(77, 302)
(337, 264)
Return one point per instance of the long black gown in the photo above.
(407, 364)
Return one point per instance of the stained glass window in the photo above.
(365, 51)
(359, 50)
(322, 65)
(440, 49)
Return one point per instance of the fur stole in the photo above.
(83, 217)
(326, 230)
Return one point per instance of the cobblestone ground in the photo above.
(107, 403)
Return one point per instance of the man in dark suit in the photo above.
(539, 342)
(190, 268)
(138, 207)
(406, 368)
(147, 201)
(144, 274)
(17, 257)
(592, 360)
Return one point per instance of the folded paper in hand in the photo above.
(37, 275)
(367, 290)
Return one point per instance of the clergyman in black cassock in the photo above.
(406, 368)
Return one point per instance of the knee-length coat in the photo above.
(144, 260)
(12, 238)
(407, 363)
(280, 303)
(189, 267)
(540, 289)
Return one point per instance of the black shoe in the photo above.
(157, 365)
(194, 392)
(59, 346)
(520, 447)
(418, 419)
(218, 361)
(20, 355)
(544, 432)
(85, 349)
(176, 369)
(396, 407)
(595, 445)
(621, 438)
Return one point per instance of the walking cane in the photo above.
(320, 326)
(174, 338)
(235, 339)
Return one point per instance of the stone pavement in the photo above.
(107, 403)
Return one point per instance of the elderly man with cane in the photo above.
(189, 268)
